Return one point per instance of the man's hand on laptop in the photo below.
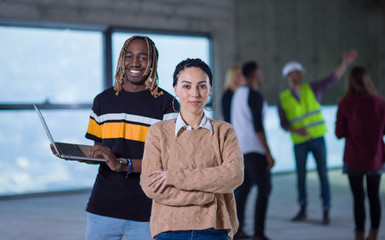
(99, 150)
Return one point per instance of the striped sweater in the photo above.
(121, 123)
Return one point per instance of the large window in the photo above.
(56, 66)
(62, 69)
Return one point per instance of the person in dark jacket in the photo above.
(361, 121)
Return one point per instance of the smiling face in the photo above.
(193, 89)
(135, 64)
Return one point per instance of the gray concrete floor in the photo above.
(62, 216)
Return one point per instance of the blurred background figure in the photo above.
(361, 121)
(299, 109)
(234, 79)
(248, 110)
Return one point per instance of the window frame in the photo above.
(107, 60)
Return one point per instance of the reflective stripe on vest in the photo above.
(303, 114)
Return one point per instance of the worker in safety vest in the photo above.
(300, 113)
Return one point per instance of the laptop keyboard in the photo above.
(70, 149)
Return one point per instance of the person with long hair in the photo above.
(234, 79)
(361, 121)
(191, 165)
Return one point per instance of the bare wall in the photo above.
(313, 32)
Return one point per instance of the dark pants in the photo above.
(357, 187)
(256, 173)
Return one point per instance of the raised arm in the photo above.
(347, 59)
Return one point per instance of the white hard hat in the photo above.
(292, 66)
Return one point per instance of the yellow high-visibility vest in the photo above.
(303, 114)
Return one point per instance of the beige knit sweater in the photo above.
(203, 169)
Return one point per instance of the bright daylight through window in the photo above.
(61, 68)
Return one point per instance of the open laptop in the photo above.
(68, 151)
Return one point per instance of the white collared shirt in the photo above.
(180, 124)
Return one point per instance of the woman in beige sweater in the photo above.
(192, 165)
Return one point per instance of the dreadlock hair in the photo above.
(192, 62)
(151, 71)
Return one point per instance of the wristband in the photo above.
(129, 167)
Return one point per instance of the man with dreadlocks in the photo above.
(118, 125)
